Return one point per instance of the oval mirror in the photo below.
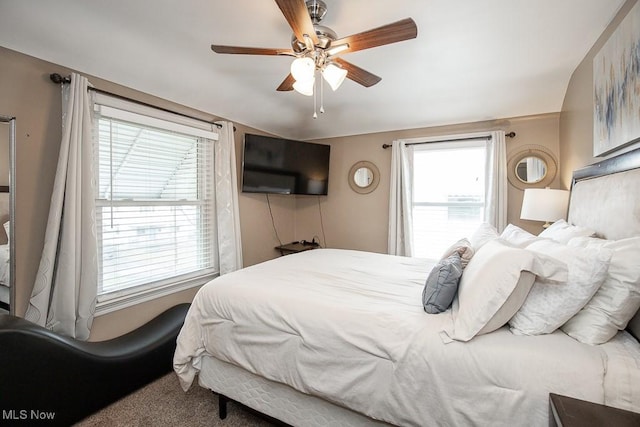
(531, 169)
(533, 166)
(364, 177)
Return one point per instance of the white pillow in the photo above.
(561, 231)
(617, 300)
(517, 236)
(494, 285)
(463, 248)
(485, 233)
(6, 230)
(549, 305)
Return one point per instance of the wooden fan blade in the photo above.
(297, 15)
(287, 84)
(391, 33)
(250, 50)
(358, 74)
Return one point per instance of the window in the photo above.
(448, 194)
(155, 204)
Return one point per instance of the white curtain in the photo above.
(535, 169)
(64, 293)
(496, 183)
(400, 241)
(227, 210)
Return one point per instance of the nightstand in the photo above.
(295, 247)
(569, 412)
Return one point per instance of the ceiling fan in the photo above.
(316, 47)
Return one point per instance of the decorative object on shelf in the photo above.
(316, 49)
(532, 166)
(295, 247)
(364, 177)
(544, 204)
(616, 78)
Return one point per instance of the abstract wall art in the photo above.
(616, 84)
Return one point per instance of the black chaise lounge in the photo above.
(44, 375)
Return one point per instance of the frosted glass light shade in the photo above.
(305, 87)
(334, 75)
(544, 204)
(303, 69)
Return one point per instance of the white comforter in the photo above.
(349, 327)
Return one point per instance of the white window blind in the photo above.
(449, 194)
(155, 204)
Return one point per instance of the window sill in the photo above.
(135, 298)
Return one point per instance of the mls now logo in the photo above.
(23, 414)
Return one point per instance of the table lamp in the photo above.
(544, 204)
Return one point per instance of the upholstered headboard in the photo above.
(605, 197)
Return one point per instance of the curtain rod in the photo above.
(58, 79)
(475, 138)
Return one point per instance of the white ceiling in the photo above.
(472, 60)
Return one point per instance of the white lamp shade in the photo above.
(303, 69)
(334, 75)
(544, 204)
(305, 87)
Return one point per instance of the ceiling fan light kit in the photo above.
(334, 75)
(305, 87)
(316, 48)
(303, 69)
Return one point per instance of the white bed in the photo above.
(334, 337)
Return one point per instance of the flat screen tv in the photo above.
(284, 166)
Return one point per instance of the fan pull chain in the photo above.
(315, 102)
(321, 95)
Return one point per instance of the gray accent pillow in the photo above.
(442, 284)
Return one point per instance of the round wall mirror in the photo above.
(531, 169)
(534, 166)
(364, 177)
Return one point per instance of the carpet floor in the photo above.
(163, 403)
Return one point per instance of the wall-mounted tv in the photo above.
(284, 166)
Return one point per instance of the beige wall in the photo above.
(576, 119)
(29, 95)
(360, 221)
(350, 220)
(35, 102)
